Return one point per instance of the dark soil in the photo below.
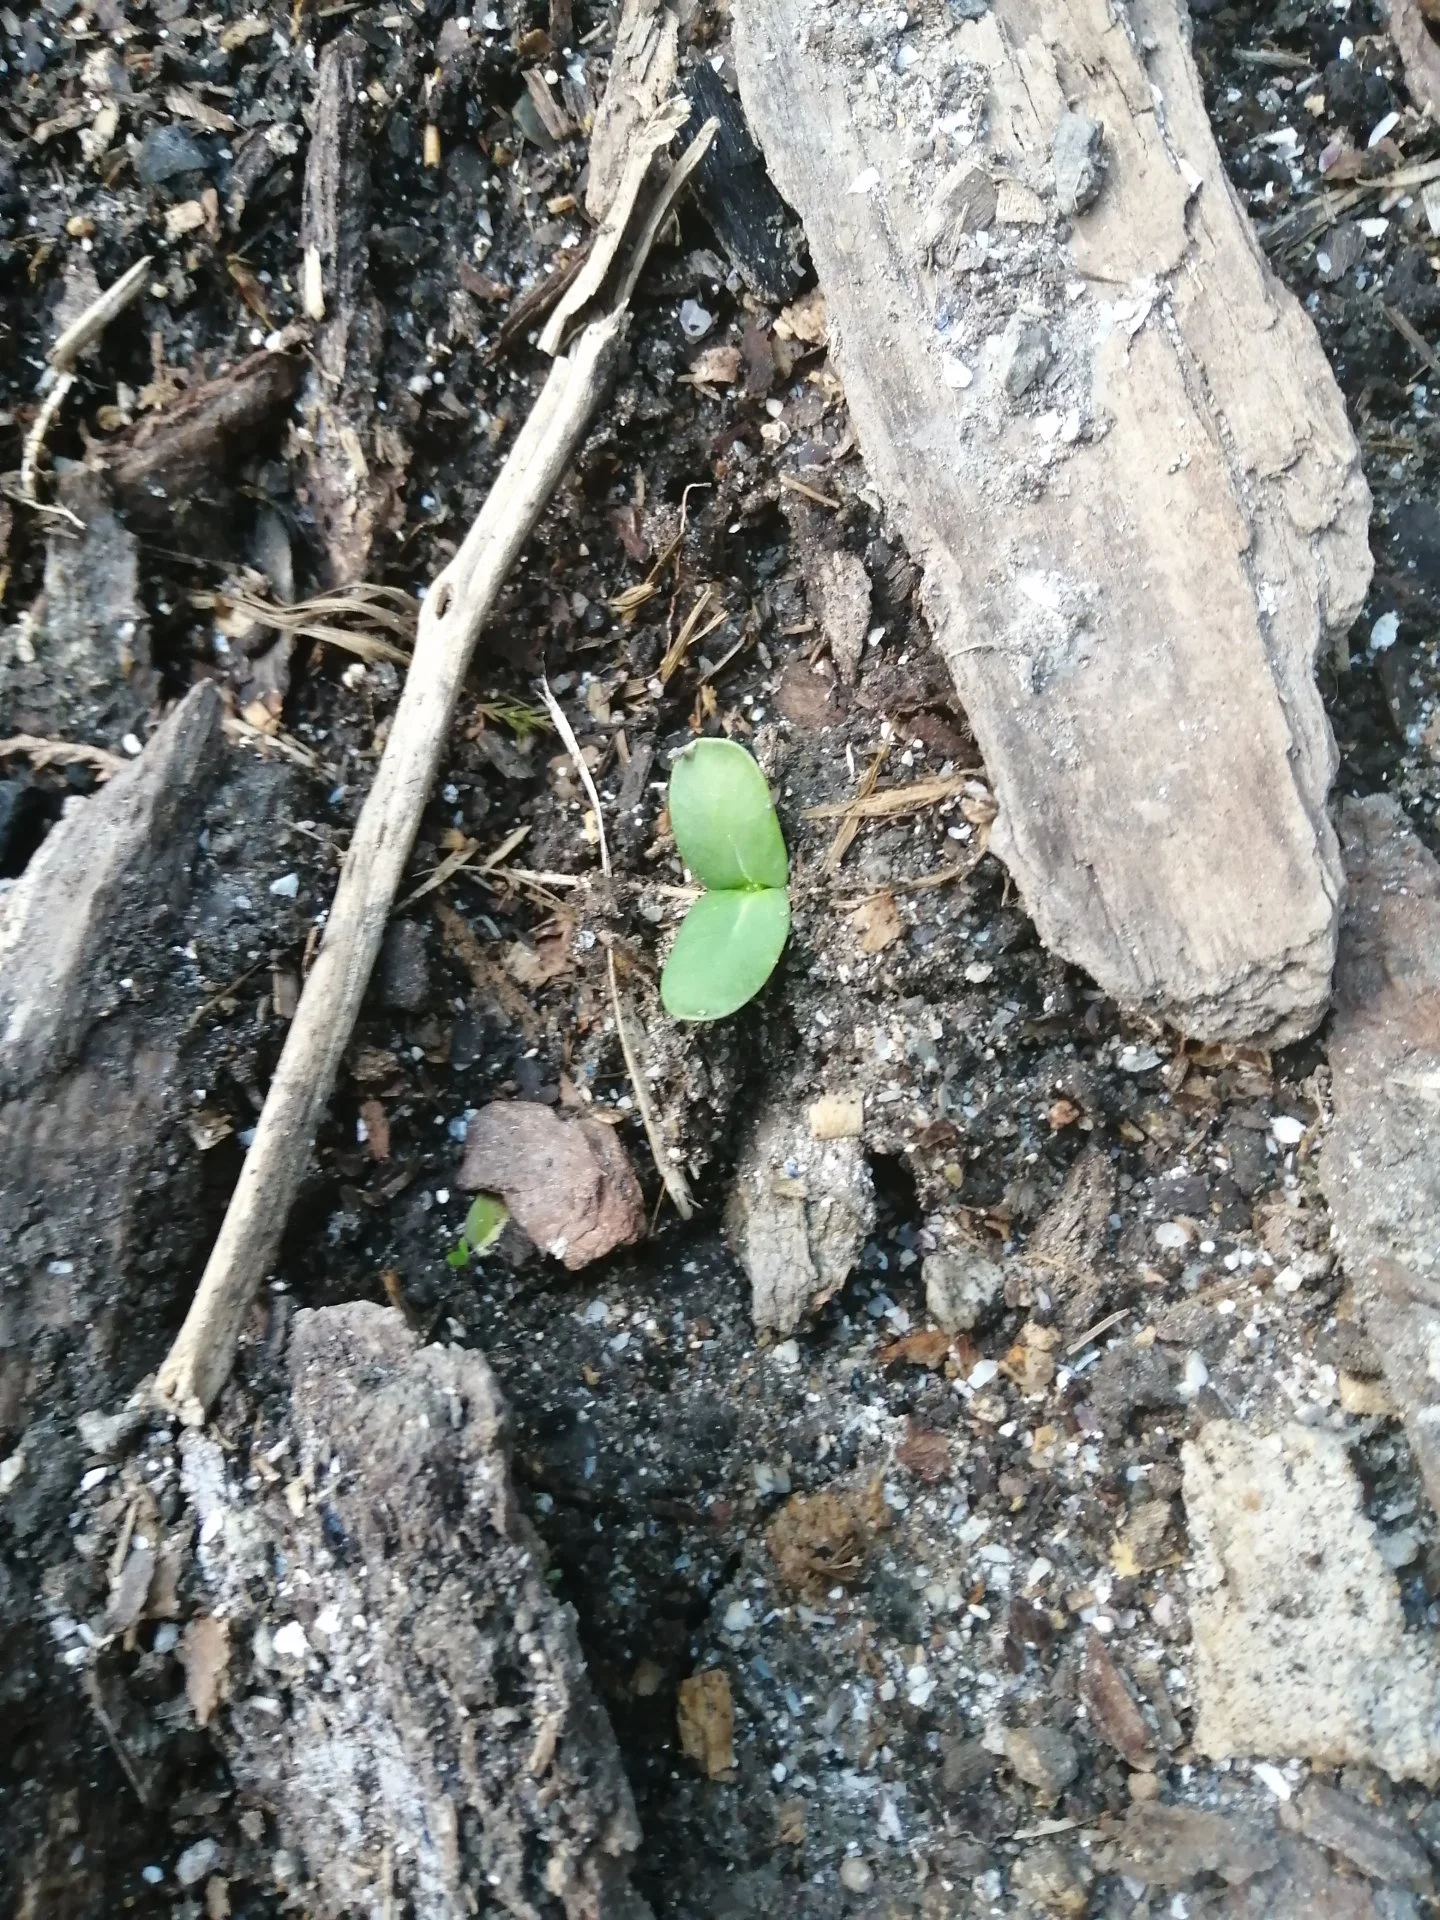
(1005, 1099)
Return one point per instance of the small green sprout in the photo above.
(728, 836)
(484, 1224)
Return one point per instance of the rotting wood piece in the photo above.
(448, 1577)
(1115, 448)
(170, 454)
(758, 232)
(1419, 53)
(1380, 1160)
(642, 73)
(351, 484)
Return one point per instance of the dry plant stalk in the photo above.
(675, 1183)
(82, 332)
(450, 621)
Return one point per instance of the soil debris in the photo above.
(706, 1719)
(1169, 1846)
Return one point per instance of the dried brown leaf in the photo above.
(926, 1453)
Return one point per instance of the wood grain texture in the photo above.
(1116, 450)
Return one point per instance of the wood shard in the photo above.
(177, 452)
(351, 483)
(1114, 446)
(1380, 1161)
(642, 72)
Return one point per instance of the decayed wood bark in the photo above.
(642, 73)
(1380, 1161)
(1114, 445)
(350, 482)
(181, 450)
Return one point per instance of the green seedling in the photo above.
(728, 836)
(484, 1224)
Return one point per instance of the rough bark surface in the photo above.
(78, 666)
(1114, 446)
(97, 1213)
(350, 480)
(410, 1700)
(1380, 1163)
(70, 923)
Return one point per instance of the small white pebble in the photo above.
(131, 745)
(286, 887)
(1272, 1778)
(1287, 1129)
(290, 1642)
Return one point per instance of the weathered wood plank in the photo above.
(1113, 444)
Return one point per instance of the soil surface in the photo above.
(909, 1656)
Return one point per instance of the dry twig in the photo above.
(676, 1185)
(61, 753)
(454, 611)
(82, 332)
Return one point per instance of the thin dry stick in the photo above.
(80, 334)
(61, 753)
(676, 1185)
(895, 800)
(450, 621)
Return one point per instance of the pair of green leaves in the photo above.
(728, 836)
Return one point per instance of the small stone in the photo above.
(196, 1862)
(290, 1642)
(404, 967)
(105, 1434)
(695, 320)
(1025, 355)
(961, 1287)
(1051, 1880)
(1043, 1757)
(166, 152)
(1144, 1786)
(1079, 161)
(855, 1876)
(287, 887)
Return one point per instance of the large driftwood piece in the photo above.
(1114, 446)
(1380, 1163)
